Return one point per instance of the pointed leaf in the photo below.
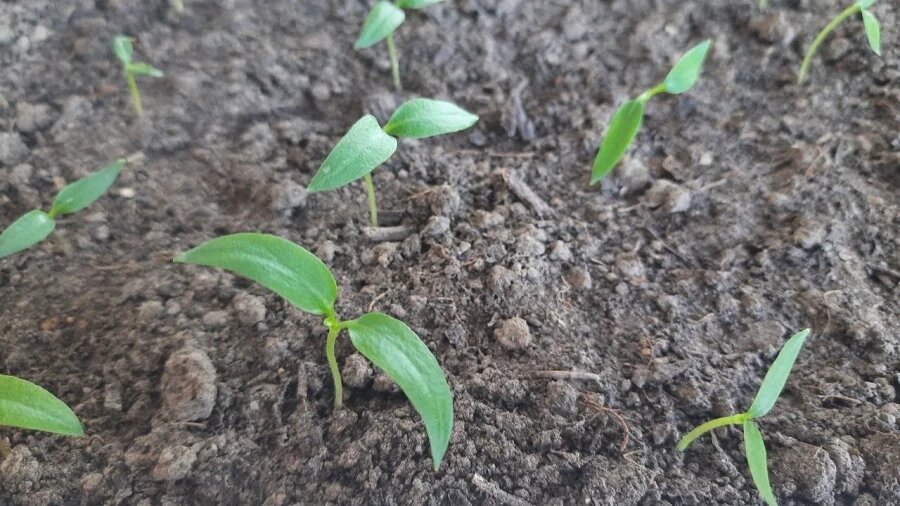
(82, 193)
(685, 73)
(358, 153)
(777, 375)
(28, 406)
(143, 69)
(398, 351)
(873, 31)
(865, 4)
(384, 18)
(123, 47)
(756, 460)
(416, 4)
(276, 263)
(622, 130)
(423, 117)
(30, 229)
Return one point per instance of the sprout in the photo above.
(768, 393)
(380, 25)
(123, 47)
(870, 23)
(34, 226)
(366, 146)
(627, 120)
(28, 406)
(300, 277)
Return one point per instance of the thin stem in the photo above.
(333, 331)
(135, 93)
(807, 60)
(373, 206)
(710, 425)
(395, 64)
(652, 92)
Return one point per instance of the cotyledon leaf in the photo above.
(424, 117)
(398, 351)
(686, 72)
(143, 69)
(30, 229)
(622, 129)
(82, 193)
(384, 18)
(28, 406)
(278, 264)
(865, 4)
(416, 4)
(358, 153)
(755, 448)
(777, 375)
(123, 47)
(873, 31)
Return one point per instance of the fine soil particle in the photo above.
(748, 208)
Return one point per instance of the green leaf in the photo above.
(384, 18)
(123, 47)
(423, 117)
(82, 193)
(143, 69)
(28, 406)
(865, 4)
(416, 4)
(624, 126)
(685, 73)
(777, 375)
(30, 229)
(397, 350)
(756, 460)
(358, 153)
(873, 31)
(276, 263)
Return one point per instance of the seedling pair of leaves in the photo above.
(768, 393)
(366, 146)
(28, 406)
(34, 226)
(380, 24)
(123, 47)
(628, 118)
(300, 277)
(870, 23)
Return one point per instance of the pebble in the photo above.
(20, 471)
(188, 386)
(12, 150)
(579, 278)
(809, 234)
(809, 470)
(443, 201)
(668, 197)
(31, 118)
(249, 309)
(513, 334)
(175, 462)
(437, 226)
(356, 372)
(288, 197)
(215, 319)
(563, 397)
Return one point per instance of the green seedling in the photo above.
(34, 226)
(123, 47)
(768, 393)
(366, 146)
(300, 277)
(380, 24)
(628, 118)
(870, 23)
(28, 406)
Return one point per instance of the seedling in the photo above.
(28, 406)
(366, 146)
(628, 118)
(380, 25)
(34, 226)
(765, 399)
(300, 277)
(123, 47)
(870, 23)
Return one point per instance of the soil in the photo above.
(583, 330)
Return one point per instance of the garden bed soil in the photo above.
(748, 209)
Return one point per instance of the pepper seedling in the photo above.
(366, 146)
(28, 406)
(300, 277)
(628, 118)
(34, 226)
(380, 24)
(768, 393)
(123, 47)
(870, 24)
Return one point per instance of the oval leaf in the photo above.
(865, 4)
(756, 460)
(398, 351)
(685, 73)
(777, 375)
(423, 117)
(358, 153)
(873, 31)
(28, 406)
(123, 48)
(624, 126)
(143, 69)
(30, 229)
(384, 18)
(82, 193)
(276, 263)
(416, 4)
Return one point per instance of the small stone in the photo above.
(443, 201)
(513, 334)
(810, 470)
(384, 384)
(529, 246)
(579, 278)
(563, 397)
(809, 234)
(31, 118)
(560, 251)
(188, 386)
(150, 311)
(20, 471)
(175, 462)
(101, 233)
(249, 309)
(633, 176)
(437, 226)
(288, 197)
(356, 371)
(215, 319)
(12, 150)
(91, 483)
(668, 197)
(20, 175)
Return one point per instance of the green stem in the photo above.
(333, 330)
(710, 425)
(395, 64)
(652, 92)
(807, 60)
(135, 93)
(373, 206)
